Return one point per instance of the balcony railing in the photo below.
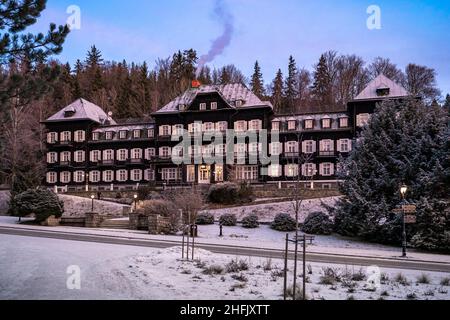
(107, 162)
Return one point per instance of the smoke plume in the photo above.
(219, 44)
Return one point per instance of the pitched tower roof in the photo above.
(80, 109)
(392, 89)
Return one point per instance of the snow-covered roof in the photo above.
(382, 82)
(317, 116)
(229, 92)
(130, 127)
(81, 109)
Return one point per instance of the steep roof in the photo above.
(80, 109)
(229, 92)
(382, 82)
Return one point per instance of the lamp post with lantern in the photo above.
(92, 202)
(403, 190)
(135, 201)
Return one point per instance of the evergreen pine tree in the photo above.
(405, 142)
(94, 58)
(277, 92)
(291, 87)
(322, 86)
(257, 83)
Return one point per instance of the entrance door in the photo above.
(204, 174)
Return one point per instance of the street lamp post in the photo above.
(135, 202)
(403, 190)
(92, 202)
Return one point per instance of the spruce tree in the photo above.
(291, 87)
(94, 58)
(322, 86)
(257, 83)
(404, 143)
(277, 92)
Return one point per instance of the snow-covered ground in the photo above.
(266, 212)
(36, 268)
(78, 206)
(262, 237)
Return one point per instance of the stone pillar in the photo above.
(51, 222)
(158, 224)
(93, 220)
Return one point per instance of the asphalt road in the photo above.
(398, 263)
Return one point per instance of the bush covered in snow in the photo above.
(164, 208)
(43, 203)
(223, 193)
(228, 220)
(284, 222)
(204, 218)
(250, 221)
(318, 223)
(230, 193)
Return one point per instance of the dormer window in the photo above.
(362, 119)
(202, 106)
(309, 124)
(213, 105)
(181, 107)
(343, 122)
(276, 125)
(136, 134)
(383, 92)
(150, 133)
(239, 103)
(69, 112)
(122, 134)
(109, 135)
(95, 136)
(292, 125)
(326, 123)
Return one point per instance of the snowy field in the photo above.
(35, 268)
(266, 212)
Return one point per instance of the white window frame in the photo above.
(52, 177)
(343, 122)
(95, 156)
(275, 170)
(137, 134)
(208, 127)
(108, 155)
(79, 176)
(52, 157)
(309, 146)
(213, 105)
(292, 125)
(108, 176)
(309, 124)
(326, 145)
(255, 125)
(327, 169)
(109, 135)
(291, 147)
(122, 155)
(95, 136)
(165, 152)
(123, 134)
(240, 126)
(94, 176)
(326, 123)
(66, 136)
(136, 175)
(309, 169)
(65, 156)
(80, 136)
(150, 153)
(291, 170)
(122, 175)
(136, 154)
(202, 106)
(247, 173)
(276, 148)
(52, 137)
(150, 133)
(222, 126)
(79, 156)
(65, 177)
(344, 145)
(170, 174)
(275, 125)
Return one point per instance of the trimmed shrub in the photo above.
(163, 208)
(283, 222)
(43, 203)
(228, 220)
(223, 193)
(318, 223)
(204, 218)
(245, 193)
(250, 221)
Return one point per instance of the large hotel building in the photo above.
(88, 151)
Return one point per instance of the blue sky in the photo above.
(265, 30)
